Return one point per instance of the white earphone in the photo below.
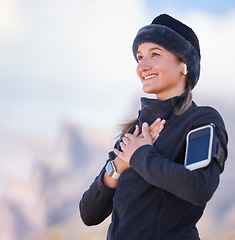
(185, 70)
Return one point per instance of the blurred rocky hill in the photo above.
(42, 203)
(33, 207)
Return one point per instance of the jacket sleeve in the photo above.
(195, 186)
(96, 203)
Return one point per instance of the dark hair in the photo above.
(126, 127)
(187, 103)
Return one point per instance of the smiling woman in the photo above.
(145, 184)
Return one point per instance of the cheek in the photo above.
(171, 69)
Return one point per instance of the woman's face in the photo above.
(160, 71)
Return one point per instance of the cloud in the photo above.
(12, 24)
(69, 54)
(73, 60)
(216, 38)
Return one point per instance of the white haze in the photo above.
(72, 60)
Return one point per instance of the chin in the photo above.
(149, 91)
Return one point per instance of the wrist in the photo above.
(120, 165)
(111, 170)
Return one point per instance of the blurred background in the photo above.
(67, 80)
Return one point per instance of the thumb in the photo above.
(145, 130)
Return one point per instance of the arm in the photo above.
(96, 203)
(196, 186)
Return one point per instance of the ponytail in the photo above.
(126, 127)
(187, 103)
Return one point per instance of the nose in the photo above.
(144, 65)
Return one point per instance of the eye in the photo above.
(155, 54)
(139, 57)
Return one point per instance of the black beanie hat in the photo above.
(175, 37)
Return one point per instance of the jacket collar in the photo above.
(151, 109)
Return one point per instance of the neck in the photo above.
(172, 94)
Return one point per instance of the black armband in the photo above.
(217, 151)
(202, 147)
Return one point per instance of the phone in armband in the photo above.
(201, 146)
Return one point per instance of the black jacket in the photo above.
(158, 198)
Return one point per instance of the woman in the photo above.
(145, 184)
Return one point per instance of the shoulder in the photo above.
(205, 115)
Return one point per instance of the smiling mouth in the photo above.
(149, 77)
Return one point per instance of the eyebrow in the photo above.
(151, 49)
(156, 48)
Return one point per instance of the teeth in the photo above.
(150, 76)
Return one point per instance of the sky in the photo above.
(71, 60)
(218, 8)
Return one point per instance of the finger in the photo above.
(156, 132)
(145, 130)
(163, 121)
(137, 130)
(118, 153)
(128, 135)
(126, 140)
(158, 128)
(155, 123)
(122, 145)
(155, 137)
(161, 125)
